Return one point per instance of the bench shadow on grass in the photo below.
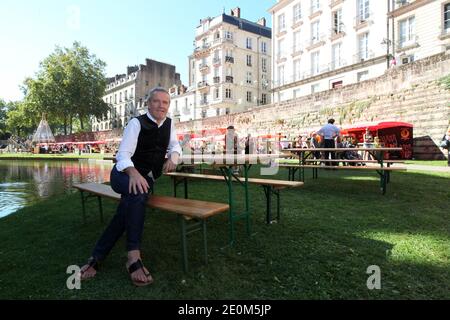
(321, 248)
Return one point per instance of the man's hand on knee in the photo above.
(138, 184)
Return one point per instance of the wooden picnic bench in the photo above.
(384, 172)
(270, 187)
(192, 214)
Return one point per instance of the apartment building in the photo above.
(324, 44)
(229, 70)
(126, 93)
(182, 104)
(418, 29)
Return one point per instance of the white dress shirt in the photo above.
(130, 138)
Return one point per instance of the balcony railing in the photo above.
(334, 3)
(281, 56)
(337, 31)
(216, 79)
(401, 3)
(203, 47)
(362, 19)
(320, 39)
(229, 79)
(362, 56)
(404, 44)
(204, 67)
(202, 84)
(204, 102)
(229, 59)
(217, 61)
(315, 9)
(297, 49)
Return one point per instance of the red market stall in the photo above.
(391, 134)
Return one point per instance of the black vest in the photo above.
(152, 146)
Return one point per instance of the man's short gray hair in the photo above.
(153, 91)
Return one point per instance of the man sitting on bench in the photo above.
(140, 161)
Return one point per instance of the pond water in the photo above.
(23, 183)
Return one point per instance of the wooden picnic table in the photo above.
(382, 166)
(226, 164)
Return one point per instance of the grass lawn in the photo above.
(434, 163)
(330, 232)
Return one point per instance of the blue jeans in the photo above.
(129, 217)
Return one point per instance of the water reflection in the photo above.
(24, 182)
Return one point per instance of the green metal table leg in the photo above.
(231, 203)
(205, 242)
(247, 200)
(278, 205)
(101, 208)
(83, 206)
(183, 242)
(175, 184)
(185, 188)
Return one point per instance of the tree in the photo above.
(3, 110)
(20, 119)
(70, 83)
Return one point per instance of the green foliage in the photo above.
(70, 84)
(3, 109)
(445, 81)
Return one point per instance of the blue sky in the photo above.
(121, 33)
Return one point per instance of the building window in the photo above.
(249, 96)
(146, 83)
(228, 93)
(447, 18)
(315, 28)
(363, 11)
(281, 23)
(131, 93)
(281, 52)
(337, 84)
(264, 98)
(216, 93)
(315, 63)
(296, 93)
(115, 98)
(264, 82)
(228, 35)
(315, 88)
(297, 13)
(249, 43)
(249, 60)
(338, 25)
(363, 47)
(336, 56)
(297, 40)
(249, 78)
(315, 6)
(363, 75)
(264, 65)
(263, 47)
(406, 32)
(296, 69)
(281, 75)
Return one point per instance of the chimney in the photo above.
(262, 22)
(236, 12)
